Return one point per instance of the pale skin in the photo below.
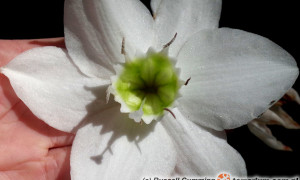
(29, 148)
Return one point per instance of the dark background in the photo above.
(276, 20)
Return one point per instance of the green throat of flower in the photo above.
(149, 84)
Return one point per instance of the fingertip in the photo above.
(58, 163)
(9, 49)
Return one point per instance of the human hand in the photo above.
(29, 148)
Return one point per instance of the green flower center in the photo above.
(148, 83)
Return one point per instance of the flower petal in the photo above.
(52, 87)
(202, 152)
(184, 18)
(235, 77)
(94, 31)
(114, 146)
(261, 131)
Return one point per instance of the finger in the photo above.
(54, 166)
(58, 164)
(8, 97)
(9, 49)
(60, 139)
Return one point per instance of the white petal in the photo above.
(94, 31)
(184, 18)
(52, 87)
(261, 131)
(235, 77)
(202, 152)
(114, 146)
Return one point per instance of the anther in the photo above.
(123, 50)
(123, 47)
(169, 43)
(154, 16)
(187, 81)
(166, 109)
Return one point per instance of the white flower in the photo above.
(235, 76)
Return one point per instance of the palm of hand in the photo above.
(29, 148)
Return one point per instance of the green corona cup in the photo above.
(147, 86)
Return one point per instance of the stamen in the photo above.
(123, 47)
(166, 109)
(169, 43)
(187, 81)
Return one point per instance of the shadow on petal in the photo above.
(111, 120)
